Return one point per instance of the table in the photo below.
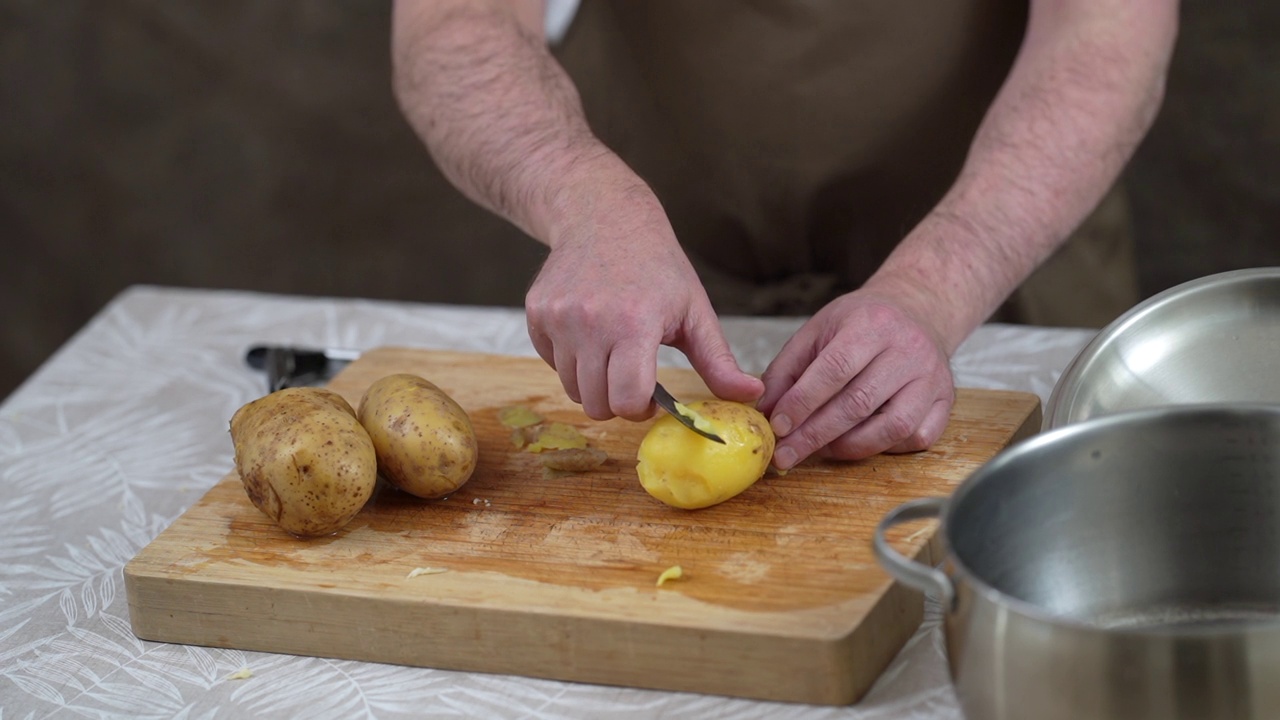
(125, 426)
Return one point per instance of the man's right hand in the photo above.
(615, 287)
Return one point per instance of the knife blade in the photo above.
(668, 403)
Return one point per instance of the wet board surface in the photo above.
(555, 577)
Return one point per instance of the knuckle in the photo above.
(919, 344)
(881, 316)
(596, 410)
(796, 405)
(633, 408)
(838, 368)
(560, 310)
(915, 442)
(807, 439)
(901, 429)
(545, 316)
(858, 402)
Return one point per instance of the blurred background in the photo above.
(257, 145)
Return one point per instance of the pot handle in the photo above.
(909, 572)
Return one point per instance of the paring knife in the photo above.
(291, 366)
(668, 403)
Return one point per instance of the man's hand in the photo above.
(616, 286)
(861, 377)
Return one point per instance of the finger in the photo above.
(829, 378)
(709, 353)
(787, 367)
(935, 422)
(855, 403)
(633, 369)
(898, 423)
(543, 345)
(593, 384)
(567, 368)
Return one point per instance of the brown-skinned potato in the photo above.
(304, 459)
(424, 440)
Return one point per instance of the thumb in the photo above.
(709, 353)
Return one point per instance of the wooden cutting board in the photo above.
(781, 597)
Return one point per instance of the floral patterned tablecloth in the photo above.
(125, 427)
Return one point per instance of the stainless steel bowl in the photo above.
(1215, 339)
(1122, 568)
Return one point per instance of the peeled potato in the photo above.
(304, 459)
(424, 440)
(685, 470)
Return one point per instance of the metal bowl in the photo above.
(1215, 339)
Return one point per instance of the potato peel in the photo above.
(518, 416)
(573, 459)
(519, 438)
(675, 572)
(556, 436)
(425, 571)
(561, 448)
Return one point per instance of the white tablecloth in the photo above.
(125, 427)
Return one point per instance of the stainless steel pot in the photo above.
(1121, 567)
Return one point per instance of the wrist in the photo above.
(943, 275)
(593, 187)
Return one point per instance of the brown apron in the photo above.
(793, 143)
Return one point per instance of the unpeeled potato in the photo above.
(685, 470)
(304, 459)
(424, 440)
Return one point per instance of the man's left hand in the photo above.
(861, 377)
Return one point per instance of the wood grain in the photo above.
(555, 576)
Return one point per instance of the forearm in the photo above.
(1082, 93)
(496, 111)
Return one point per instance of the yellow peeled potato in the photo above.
(304, 459)
(685, 470)
(424, 440)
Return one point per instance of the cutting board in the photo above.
(556, 577)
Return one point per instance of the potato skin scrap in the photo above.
(518, 416)
(424, 441)
(573, 459)
(675, 572)
(304, 459)
(425, 571)
(553, 436)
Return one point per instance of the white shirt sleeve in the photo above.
(559, 17)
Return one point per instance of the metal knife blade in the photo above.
(668, 403)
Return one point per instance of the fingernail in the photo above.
(784, 458)
(781, 425)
